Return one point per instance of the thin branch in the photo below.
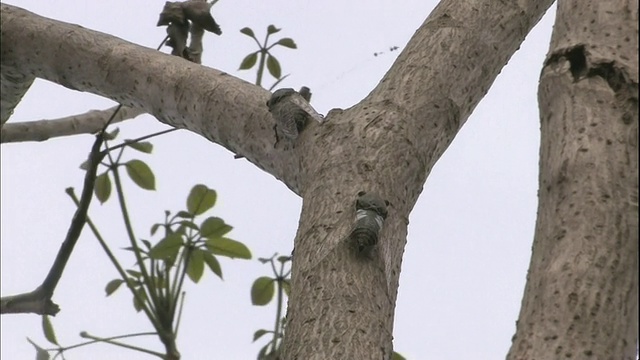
(128, 142)
(39, 300)
(86, 335)
(88, 123)
(116, 264)
(175, 331)
(127, 346)
(153, 296)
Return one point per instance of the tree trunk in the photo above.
(342, 301)
(581, 297)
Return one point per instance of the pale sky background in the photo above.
(470, 235)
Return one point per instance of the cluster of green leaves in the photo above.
(265, 55)
(189, 240)
(139, 172)
(185, 248)
(262, 293)
(187, 243)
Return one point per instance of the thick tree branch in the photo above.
(222, 108)
(88, 123)
(455, 56)
(13, 85)
(418, 107)
(387, 144)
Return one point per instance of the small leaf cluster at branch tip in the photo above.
(139, 172)
(182, 18)
(266, 57)
(262, 292)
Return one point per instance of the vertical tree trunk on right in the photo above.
(581, 297)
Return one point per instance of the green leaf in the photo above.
(229, 248)
(212, 263)
(113, 285)
(195, 266)
(146, 243)
(143, 146)
(189, 224)
(274, 66)
(258, 334)
(262, 354)
(41, 354)
(214, 227)
(201, 199)
(102, 187)
(49, 333)
(181, 230)
(286, 286)
(247, 31)
(141, 174)
(287, 42)
(112, 135)
(133, 282)
(167, 248)
(397, 356)
(154, 228)
(283, 259)
(249, 61)
(272, 29)
(262, 290)
(136, 305)
(184, 214)
(264, 260)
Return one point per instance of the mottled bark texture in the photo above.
(581, 298)
(13, 86)
(224, 109)
(342, 305)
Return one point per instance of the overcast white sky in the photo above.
(470, 234)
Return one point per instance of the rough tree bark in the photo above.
(581, 300)
(342, 304)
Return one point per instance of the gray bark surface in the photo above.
(342, 303)
(581, 297)
(342, 306)
(88, 123)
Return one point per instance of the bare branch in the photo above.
(30, 303)
(88, 123)
(39, 300)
